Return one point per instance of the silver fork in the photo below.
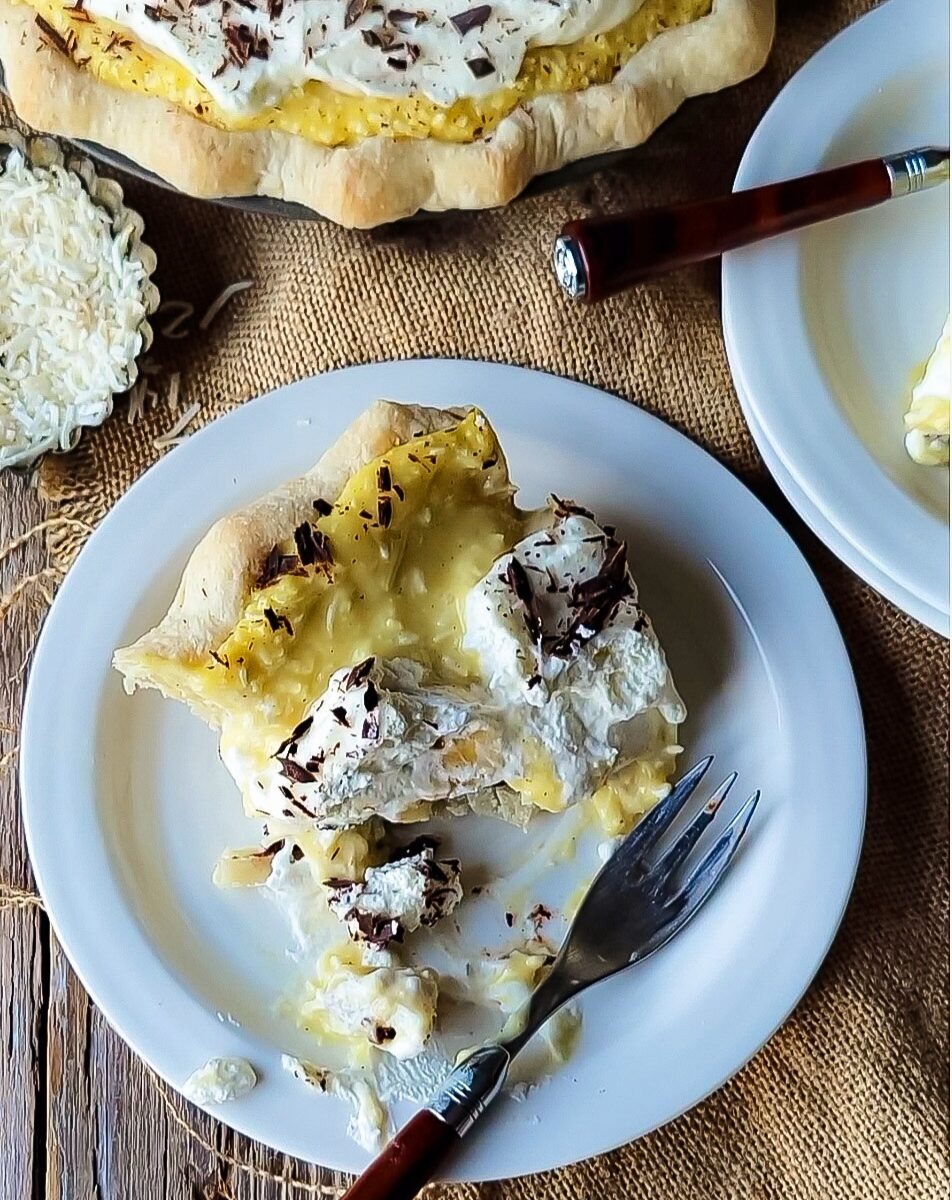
(639, 900)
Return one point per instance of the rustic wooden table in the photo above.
(80, 1115)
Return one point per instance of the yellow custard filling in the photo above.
(403, 558)
(323, 114)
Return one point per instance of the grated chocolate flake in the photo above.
(277, 564)
(277, 621)
(404, 21)
(356, 675)
(340, 715)
(294, 771)
(480, 67)
(322, 507)
(424, 841)
(312, 546)
(354, 11)
(518, 583)
(471, 18)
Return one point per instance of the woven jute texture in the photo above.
(849, 1099)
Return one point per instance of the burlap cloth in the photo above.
(850, 1098)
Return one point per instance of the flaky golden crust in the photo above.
(219, 574)
(380, 179)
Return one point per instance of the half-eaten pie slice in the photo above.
(388, 640)
(363, 111)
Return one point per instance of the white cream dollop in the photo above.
(927, 421)
(250, 53)
(576, 661)
(393, 1007)
(220, 1080)
(381, 742)
(398, 897)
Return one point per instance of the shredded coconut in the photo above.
(219, 303)
(183, 312)
(71, 309)
(171, 436)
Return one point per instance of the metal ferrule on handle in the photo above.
(916, 170)
(471, 1088)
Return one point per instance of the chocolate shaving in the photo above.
(533, 681)
(384, 503)
(244, 43)
(472, 18)
(398, 491)
(52, 37)
(354, 11)
(375, 928)
(595, 601)
(480, 67)
(297, 732)
(275, 8)
(371, 697)
(540, 914)
(312, 546)
(403, 21)
(77, 12)
(294, 771)
(383, 1033)
(322, 507)
(517, 581)
(568, 508)
(296, 853)
(219, 658)
(510, 919)
(277, 621)
(425, 841)
(276, 565)
(340, 713)
(358, 673)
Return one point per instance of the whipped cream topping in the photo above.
(927, 421)
(391, 1006)
(398, 897)
(369, 1122)
(220, 1080)
(378, 742)
(250, 53)
(575, 685)
(564, 644)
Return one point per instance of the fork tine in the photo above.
(705, 878)
(716, 862)
(669, 862)
(647, 831)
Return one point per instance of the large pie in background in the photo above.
(369, 111)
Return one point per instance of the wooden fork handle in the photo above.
(600, 256)
(418, 1151)
(408, 1162)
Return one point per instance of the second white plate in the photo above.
(824, 329)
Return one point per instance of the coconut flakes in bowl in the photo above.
(75, 298)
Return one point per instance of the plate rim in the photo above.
(834, 495)
(50, 886)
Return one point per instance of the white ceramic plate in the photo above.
(834, 541)
(127, 807)
(825, 328)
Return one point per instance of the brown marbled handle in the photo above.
(408, 1162)
(616, 252)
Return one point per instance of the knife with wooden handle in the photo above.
(600, 256)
